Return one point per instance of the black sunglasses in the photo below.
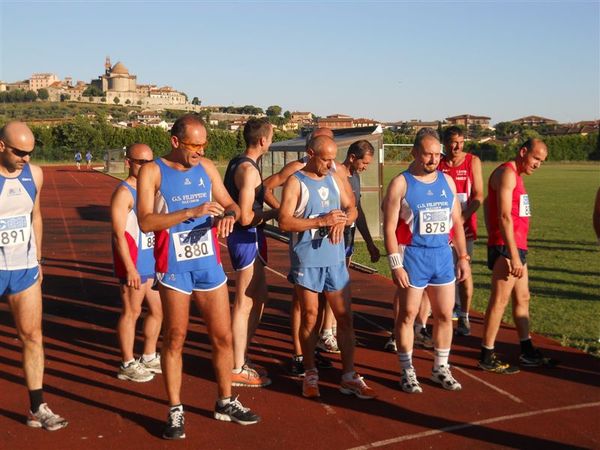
(20, 153)
(141, 162)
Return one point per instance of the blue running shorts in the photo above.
(429, 266)
(15, 281)
(197, 280)
(321, 279)
(245, 245)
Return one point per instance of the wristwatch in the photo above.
(465, 256)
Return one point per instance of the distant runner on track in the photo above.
(182, 199)
(21, 259)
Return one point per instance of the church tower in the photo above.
(107, 66)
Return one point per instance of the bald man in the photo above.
(507, 213)
(20, 259)
(133, 254)
(315, 208)
(276, 180)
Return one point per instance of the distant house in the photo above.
(362, 122)
(534, 121)
(147, 116)
(335, 121)
(584, 128)
(41, 81)
(466, 120)
(301, 117)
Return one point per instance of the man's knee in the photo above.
(31, 336)
(222, 340)
(175, 339)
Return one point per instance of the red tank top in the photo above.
(463, 178)
(520, 212)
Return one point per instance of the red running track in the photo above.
(538, 408)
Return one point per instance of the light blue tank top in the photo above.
(312, 248)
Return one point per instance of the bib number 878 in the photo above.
(435, 227)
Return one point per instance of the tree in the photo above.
(92, 91)
(507, 129)
(195, 101)
(64, 97)
(30, 96)
(274, 111)
(103, 99)
(139, 102)
(43, 94)
(117, 100)
(128, 102)
(287, 116)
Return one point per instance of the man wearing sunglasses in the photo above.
(133, 254)
(20, 259)
(182, 199)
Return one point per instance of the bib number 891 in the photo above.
(12, 237)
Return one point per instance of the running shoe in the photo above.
(259, 369)
(174, 429)
(134, 372)
(390, 345)
(536, 359)
(234, 411)
(328, 344)
(424, 339)
(249, 378)
(152, 366)
(310, 384)
(497, 366)
(322, 362)
(443, 376)
(46, 419)
(464, 327)
(358, 387)
(409, 382)
(296, 366)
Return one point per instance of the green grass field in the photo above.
(563, 259)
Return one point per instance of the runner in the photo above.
(315, 208)
(248, 248)
(133, 254)
(465, 170)
(78, 160)
(21, 259)
(182, 199)
(507, 219)
(419, 212)
(88, 159)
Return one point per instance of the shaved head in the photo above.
(18, 135)
(139, 151)
(321, 144)
(318, 132)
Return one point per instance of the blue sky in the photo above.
(382, 60)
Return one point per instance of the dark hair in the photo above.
(180, 125)
(425, 133)
(452, 131)
(255, 129)
(360, 148)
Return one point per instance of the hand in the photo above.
(400, 277)
(334, 217)
(208, 208)
(463, 270)
(224, 225)
(374, 252)
(336, 233)
(133, 278)
(515, 267)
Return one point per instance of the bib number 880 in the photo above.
(196, 250)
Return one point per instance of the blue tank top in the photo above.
(190, 245)
(429, 219)
(145, 241)
(312, 248)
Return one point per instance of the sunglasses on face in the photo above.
(140, 162)
(20, 153)
(194, 147)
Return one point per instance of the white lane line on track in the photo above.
(376, 325)
(462, 426)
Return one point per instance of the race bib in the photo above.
(434, 221)
(193, 244)
(148, 240)
(524, 210)
(462, 198)
(14, 230)
(318, 233)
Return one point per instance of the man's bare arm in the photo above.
(476, 190)
(278, 179)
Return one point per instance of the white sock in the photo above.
(348, 376)
(440, 357)
(224, 401)
(418, 327)
(327, 332)
(405, 360)
(148, 358)
(125, 364)
(464, 315)
(238, 370)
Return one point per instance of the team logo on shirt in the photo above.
(443, 194)
(187, 181)
(323, 193)
(13, 192)
(201, 182)
(429, 192)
